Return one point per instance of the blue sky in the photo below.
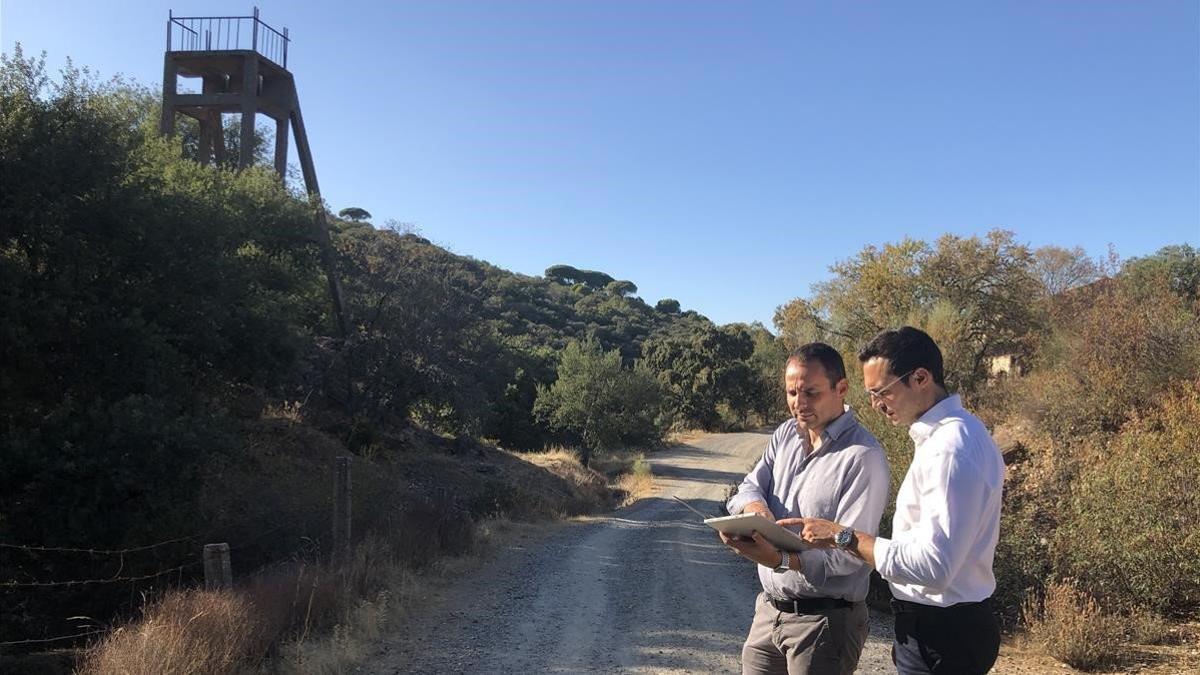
(723, 154)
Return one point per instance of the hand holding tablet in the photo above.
(744, 524)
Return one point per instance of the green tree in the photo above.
(766, 364)
(621, 288)
(599, 403)
(567, 275)
(355, 214)
(1178, 265)
(702, 367)
(187, 131)
(667, 306)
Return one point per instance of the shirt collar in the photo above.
(828, 435)
(840, 425)
(922, 429)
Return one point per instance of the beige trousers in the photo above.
(827, 642)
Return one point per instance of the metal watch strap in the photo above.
(784, 561)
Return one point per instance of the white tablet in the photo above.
(746, 523)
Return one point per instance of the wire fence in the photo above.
(33, 641)
(216, 558)
(84, 582)
(96, 551)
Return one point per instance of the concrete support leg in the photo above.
(166, 124)
(249, 110)
(281, 147)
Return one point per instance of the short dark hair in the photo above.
(827, 356)
(906, 349)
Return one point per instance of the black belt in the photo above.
(809, 605)
(907, 606)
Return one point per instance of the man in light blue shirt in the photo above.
(822, 463)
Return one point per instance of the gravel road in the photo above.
(646, 589)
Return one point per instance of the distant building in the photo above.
(1003, 366)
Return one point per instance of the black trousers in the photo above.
(960, 639)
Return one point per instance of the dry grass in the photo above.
(314, 618)
(1146, 628)
(1021, 655)
(683, 437)
(292, 411)
(1070, 626)
(349, 641)
(637, 483)
(200, 632)
(565, 464)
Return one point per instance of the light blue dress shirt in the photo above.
(845, 480)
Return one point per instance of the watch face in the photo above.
(843, 538)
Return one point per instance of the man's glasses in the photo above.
(882, 392)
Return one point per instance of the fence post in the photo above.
(218, 574)
(341, 505)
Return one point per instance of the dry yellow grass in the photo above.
(1022, 655)
(187, 632)
(637, 483)
(626, 471)
(565, 464)
(683, 437)
(1070, 626)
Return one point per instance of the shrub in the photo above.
(1071, 627)
(1118, 348)
(1147, 628)
(1021, 564)
(1130, 521)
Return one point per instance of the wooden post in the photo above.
(341, 506)
(218, 574)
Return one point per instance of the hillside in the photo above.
(162, 317)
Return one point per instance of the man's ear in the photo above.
(921, 377)
(842, 387)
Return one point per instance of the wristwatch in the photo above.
(844, 539)
(784, 561)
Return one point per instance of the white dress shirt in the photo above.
(947, 517)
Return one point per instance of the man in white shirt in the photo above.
(939, 559)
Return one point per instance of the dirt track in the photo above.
(645, 589)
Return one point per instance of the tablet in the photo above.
(746, 523)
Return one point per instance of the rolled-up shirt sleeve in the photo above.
(758, 483)
(860, 507)
(953, 498)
